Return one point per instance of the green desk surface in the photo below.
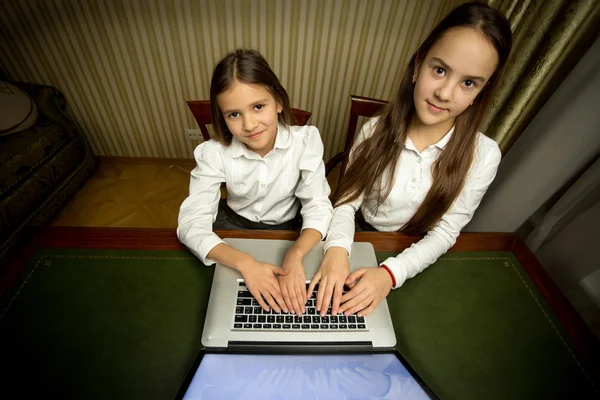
(124, 324)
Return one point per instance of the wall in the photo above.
(127, 67)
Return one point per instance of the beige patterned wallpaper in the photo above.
(128, 66)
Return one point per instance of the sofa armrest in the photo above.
(50, 101)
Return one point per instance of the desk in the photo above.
(118, 313)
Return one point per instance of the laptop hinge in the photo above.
(312, 347)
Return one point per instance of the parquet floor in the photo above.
(126, 193)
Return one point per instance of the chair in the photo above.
(201, 111)
(360, 107)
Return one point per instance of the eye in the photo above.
(439, 71)
(233, 114)
(469, 83)
(259, 106)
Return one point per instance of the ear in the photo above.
(418, 62)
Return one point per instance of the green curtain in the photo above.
(549, 38)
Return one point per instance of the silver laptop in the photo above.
(235, 320)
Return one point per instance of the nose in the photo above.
(249, 122)
(445, 91)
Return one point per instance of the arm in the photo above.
(335, 267)
(313, 189)
(368, 286)
(443, 235)
(313, 193)
(341, 229)
(199, 210)
(196, 216)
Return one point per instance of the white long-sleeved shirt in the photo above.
(411, 183)
(260, 189)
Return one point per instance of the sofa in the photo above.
(41, 167)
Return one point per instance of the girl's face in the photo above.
(453, 73)
(251, 112)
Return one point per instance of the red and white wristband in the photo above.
(389, 272)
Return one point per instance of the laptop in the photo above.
(230, 308)
(290, 358)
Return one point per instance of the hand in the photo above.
(293, 285)
(368, 287)
(261, 280)
(332, 273)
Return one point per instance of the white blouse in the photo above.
(412, 181)
(260, 189)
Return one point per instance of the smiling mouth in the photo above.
(435, 108)
(254, 135)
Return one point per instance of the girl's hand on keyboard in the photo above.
(369, 287)
(332, 274)
(261, 280)
(293, 285)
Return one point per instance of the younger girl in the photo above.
(269, 167)
(422, 167)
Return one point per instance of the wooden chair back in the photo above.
(360, 107)
(201, 111)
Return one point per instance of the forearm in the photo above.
(341, 229)
(419, 256)
(196, 234)
(227, 255)
(307, 240)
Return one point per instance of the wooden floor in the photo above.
(130, 193)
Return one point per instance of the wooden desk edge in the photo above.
(166, 239)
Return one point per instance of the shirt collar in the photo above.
(440, 144)
(444, 141)
(284, 136)
(282, 141)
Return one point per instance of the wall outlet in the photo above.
(194, 134)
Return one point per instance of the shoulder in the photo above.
(486, 149)
(305, 135)
(303, 131)
(486, 158)
(211, 149)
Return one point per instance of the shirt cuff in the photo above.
(396, 269)
(206, 246)
(316, 225)
(338, 243)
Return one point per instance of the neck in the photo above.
(427, 135)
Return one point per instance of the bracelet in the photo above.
(389, 272)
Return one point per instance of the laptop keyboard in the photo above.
(249, 316)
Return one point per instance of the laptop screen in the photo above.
(349, 376)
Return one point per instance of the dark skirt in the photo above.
(360, 225)
(229, 219)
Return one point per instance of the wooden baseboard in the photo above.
(104, 160)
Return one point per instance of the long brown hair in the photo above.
(249, 67)
(382, 150)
